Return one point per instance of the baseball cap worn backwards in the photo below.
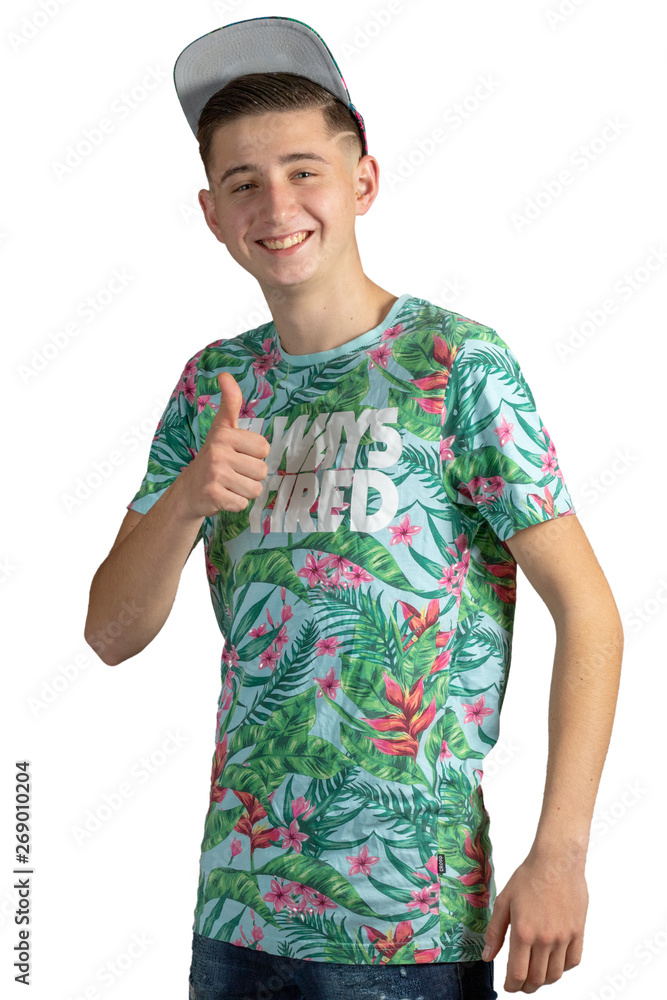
(256, 45)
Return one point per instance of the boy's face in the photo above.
(313, 193)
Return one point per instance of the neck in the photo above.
(314, 319)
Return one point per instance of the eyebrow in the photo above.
(286, 158)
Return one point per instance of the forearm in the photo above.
(582, 703)
(133, 590)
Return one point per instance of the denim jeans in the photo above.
(224, 971)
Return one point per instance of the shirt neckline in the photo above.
(356, 344)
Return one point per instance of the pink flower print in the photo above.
(328, 684)
(259, 630)
(446, 452)
(237, 847)
(257, 934)
(202, 401)
(292, 837)
(328, 646)
(188, 388)
(322, 903)
(483, 490)
(280, 896)
(361, 863)
(357, 575)
(475, 713)
(422, 898)
(504, 431)
(211, 570)
(380, 355)
(281, 639)
(268, 658)
(432, 865)
(265, 362)
(314, 570)
(547, 505)
(403, 532)
(248, 408)
(549, 463)
(338, 564)
(451, 578)
(230, 656)
(392, 332)
(444, 751)
(301, 807)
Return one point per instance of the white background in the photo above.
(448, 223)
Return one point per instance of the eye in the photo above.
(300, 173)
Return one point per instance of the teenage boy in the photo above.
(365, 471)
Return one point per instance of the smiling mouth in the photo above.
(295, 239)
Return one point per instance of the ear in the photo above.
(208, 208)
(367, 183)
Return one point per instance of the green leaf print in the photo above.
(389, 767)
(413, 417)
(244, 779)
(319, 876)
(361, 548)
(270, 566)
(310, 755)
(240, 886)
(419, 659)
(219, 824)
(447, 727)
(296, 715)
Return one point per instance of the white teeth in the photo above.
(282, 244)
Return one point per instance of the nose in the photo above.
(278, 204)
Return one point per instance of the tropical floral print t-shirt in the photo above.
(366, 600)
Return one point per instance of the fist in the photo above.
(228, 470)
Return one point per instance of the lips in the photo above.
(286, 251)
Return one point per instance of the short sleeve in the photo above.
(173, 446)
(498, 458)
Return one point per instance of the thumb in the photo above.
(231, 400)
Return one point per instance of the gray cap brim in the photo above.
(257, 45)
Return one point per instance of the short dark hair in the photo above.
(259, 93)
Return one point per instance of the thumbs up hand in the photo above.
(227, 471)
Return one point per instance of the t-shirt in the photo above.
(366, 600)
